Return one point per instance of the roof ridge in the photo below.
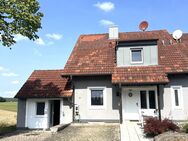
(94, 34)
(49, 70)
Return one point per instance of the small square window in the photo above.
(96, 97)
(40, 108)
(136, 56)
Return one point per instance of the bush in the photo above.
(6, 128)
(155, 127)
(185, 128)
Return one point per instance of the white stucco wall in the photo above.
(109, 112)
(34, 121)
(168, 111)
(67, 112)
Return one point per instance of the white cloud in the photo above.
(1, 68)
(40, 41)
(15, 82)
(106, 23)
(10, 94)
(54, 36)
(19, 37)
(105, 6)
(9, 74)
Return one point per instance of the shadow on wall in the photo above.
(38, 88)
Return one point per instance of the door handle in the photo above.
(136, 103)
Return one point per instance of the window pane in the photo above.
(176, 97)
(96, 97)
(136, 55)
(40, 108)
(143, 99)
(152, 102)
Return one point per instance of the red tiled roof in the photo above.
(147, 35)
(45, 83)
(139, 75)
(95, 54)
(92, 54)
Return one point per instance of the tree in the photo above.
(19, 17)
(2, 99)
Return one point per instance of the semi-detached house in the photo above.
(110, 77)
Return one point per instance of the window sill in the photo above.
(40, 116)
(97, 108)
(133, 63)
(177, 108)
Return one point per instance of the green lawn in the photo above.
(9, 106)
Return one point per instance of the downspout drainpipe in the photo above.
(73, 110)
(120, 108)
(159, 103)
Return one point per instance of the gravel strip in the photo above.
(87, 133)
(77, 132)
(26, 135)
(172, 136)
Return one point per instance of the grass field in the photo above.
(8, 106)
(8, 117)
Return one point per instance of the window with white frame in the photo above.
(136, 55)
(148, 99)
(177, 97)
(40, 106)
(96, 97)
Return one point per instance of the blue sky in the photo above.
(64, 21)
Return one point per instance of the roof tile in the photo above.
(45, 83)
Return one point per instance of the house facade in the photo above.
(110, 77)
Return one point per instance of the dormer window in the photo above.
(136, 55)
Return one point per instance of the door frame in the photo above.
(138, 88)
(51, 113)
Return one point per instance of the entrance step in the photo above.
(59, 127)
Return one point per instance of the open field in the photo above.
(8, 117)
(9, 106)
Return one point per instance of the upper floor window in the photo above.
(136, 55)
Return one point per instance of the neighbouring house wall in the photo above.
(150, 56)
(167, 109)
(111, 110)
(21, 112)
